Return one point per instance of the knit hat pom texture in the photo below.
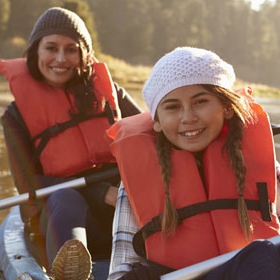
(61, 21)
(186, 66)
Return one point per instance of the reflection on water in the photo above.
(6, 184)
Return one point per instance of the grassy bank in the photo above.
(132, 79)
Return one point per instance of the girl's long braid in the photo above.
(170, 216)
(242, 116)
(233, 147)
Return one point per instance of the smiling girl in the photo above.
(198, 180)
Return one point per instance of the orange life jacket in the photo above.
(206, 234)
(78, 148)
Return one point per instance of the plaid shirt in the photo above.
(125, 226)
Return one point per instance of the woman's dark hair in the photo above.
(80, 85)
(241, 117)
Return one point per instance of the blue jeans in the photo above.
(67, 215)
(100, 269)
(257, 261)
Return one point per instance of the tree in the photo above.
(82, 9)
(24, 14)
(4, 17)
(124, 27)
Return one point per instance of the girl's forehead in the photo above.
(189, 91)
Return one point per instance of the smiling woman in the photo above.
(57, 132)
(58, 59)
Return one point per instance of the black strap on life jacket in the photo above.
(75, 119)
(263, 205)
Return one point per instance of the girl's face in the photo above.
(191, 117)
(58, 59)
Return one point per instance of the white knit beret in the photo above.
(185, 66)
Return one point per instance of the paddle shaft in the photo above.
(76, 183)
(202, 268)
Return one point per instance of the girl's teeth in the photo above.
(193, 133)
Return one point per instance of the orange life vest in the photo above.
(79, 147)
(207, 234)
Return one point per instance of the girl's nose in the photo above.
(189, 116)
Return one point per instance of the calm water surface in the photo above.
(7, 188)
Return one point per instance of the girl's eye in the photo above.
(201, 101)
(172, 107)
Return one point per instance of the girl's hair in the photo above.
(242, 116)
(80, 85)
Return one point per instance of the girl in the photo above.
(198, 178)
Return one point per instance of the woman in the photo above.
(55, 131)
(203, 183)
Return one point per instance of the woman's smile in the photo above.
(58, 59)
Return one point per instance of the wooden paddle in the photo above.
(76, 183)
(202, 268)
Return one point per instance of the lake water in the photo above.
(7, 188)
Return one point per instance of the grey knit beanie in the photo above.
(61, 21)
(185, 66)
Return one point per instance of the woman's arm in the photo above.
(127, 105)
(124, 227)
(26, 173)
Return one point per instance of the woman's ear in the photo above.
(228, 113)
(157, 126)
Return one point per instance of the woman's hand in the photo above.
(111, 196)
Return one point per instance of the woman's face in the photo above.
(58, 59)
(191, 117)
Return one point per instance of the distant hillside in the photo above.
(132, 78)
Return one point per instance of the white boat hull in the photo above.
(16, 262)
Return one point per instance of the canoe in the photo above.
(16, 261)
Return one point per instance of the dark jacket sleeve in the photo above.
(128, 107)
(26, 174)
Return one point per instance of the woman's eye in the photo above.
(51, 48)
(72, 50)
